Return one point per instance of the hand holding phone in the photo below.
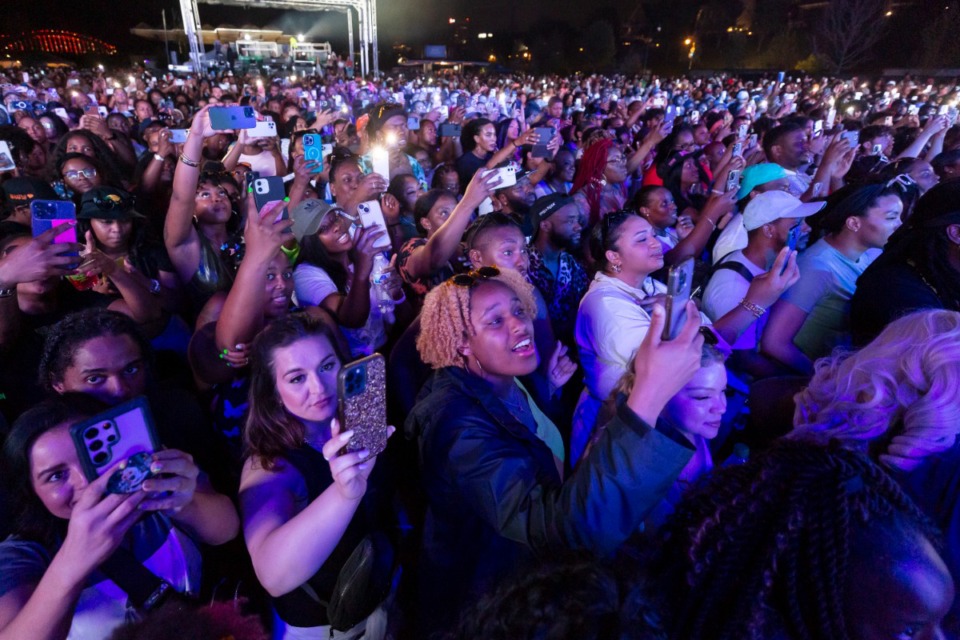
(371, 217)
(362, 404)
(679, 287)
(267, 190)
(117, 435)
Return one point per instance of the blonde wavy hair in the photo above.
(898, 398)
(445, 318)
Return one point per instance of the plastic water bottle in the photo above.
(741, 453)
(378, 281)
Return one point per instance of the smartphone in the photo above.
(670, 115)
(413, 123)
(752, 141)
(540, 150)
(817, 128)
(178, 136)
(263, 129)
(793, 239)
(853, 137)
(223, 118)
(679, 286)
(92, 110)
(508, 175)
(115, 435)
(742, 131)
(268, 189)
(46, 214)
(6, 158)
(362, 403)
(62, 114)
(888, 121)
(733, 180)
(831, 117)
(694, 117)
(371, 215)
(449, 130)
(737, 149)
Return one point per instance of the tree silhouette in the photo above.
(848, 32)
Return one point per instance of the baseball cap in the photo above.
(18, 192)
(758, 174)
(307, 217)
(546, 206)
(107, 203)
(774, 205)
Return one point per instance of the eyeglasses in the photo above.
(73, 174)
(473, 278)
(330, 220)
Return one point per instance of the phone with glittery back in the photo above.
(362, 403)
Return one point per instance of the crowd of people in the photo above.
(665, 357)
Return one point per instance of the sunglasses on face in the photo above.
(73, 174)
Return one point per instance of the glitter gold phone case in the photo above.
(362, 403)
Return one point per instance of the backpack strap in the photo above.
(738, 267)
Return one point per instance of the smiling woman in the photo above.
(493, 462)
(303, 500)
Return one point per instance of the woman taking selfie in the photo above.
(492, 462)
(55, 583)
(305, 503)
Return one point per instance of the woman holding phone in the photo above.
(195, 229)
(614, 313)
(493, 463)
(52, 585)
(305, 503)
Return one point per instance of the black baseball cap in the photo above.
(546, 206)
(18, 192)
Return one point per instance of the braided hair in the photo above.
(764, 547)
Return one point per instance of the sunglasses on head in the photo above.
(473, 278)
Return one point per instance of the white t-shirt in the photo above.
(611, 324)
(725, 291)
(312, 286)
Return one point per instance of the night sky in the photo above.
(413, 21)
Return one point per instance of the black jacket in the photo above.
(496, 499)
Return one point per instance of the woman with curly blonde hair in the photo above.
(492, 461)
(898, 399)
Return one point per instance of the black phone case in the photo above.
(113, 446)
(275, 191)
